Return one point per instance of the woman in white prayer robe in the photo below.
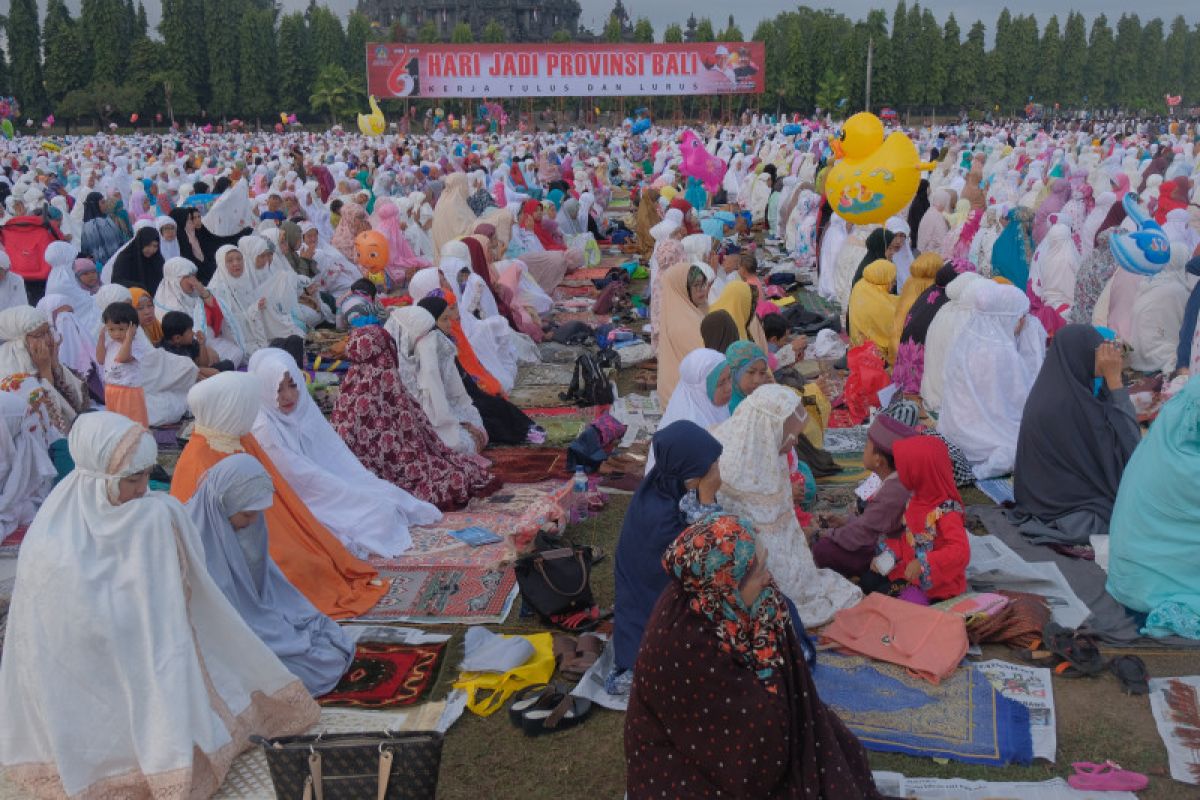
(126, 672)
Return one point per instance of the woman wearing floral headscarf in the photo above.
(720, 645)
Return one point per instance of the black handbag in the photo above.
(354, 766)
(556, 579)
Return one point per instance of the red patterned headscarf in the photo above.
(710, 559)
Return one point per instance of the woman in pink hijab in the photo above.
(402, 261)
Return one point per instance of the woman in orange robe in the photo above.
(311, 557)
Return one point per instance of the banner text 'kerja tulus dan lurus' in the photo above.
(566, 70)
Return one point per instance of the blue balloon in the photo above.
(1144, 251)
(794, 129)
(641, 126)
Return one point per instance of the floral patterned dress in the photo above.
(385, 427)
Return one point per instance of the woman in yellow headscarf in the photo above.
(873, 308)
(738, 299)
(647, 218)
(921, 274)
(143, 301)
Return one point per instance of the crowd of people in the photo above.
(151, 280)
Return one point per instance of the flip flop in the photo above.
(1106, 777)
(569, 712)
(1132, 673)
(540, 695)
(1079, 652)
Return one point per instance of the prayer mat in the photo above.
(583, 289)
(595, 320)
(387, 675)
(528, 464)
(446, 595)
(561, 429)
(963, 718)
(846, 440)
(853, 472)
(12, 543)
(557, 375)
(540, 395)
(595, 273)
(433, 546)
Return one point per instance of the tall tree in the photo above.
(358, 33)
(493, 33)
(63, 52)
(24, 40)
(1047, 69)
(673, 34)
(612, 29)
(1176, 54)
(295, 76)
(181, 28)
(106, 31)
(5, 75)
(1074, 60)
(1100, 83)
(973, 67)
(643, 31)
(952, 56)
(328, 38)
(732, 32)
(462, 34)
(223, 49)
(1151, 87)
(999, 67)
(257, 74)
(1124, 65)
(704, 31)
(141, 28)
(930, 44)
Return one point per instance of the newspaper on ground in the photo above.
(591, 685)
(1031, 687)
(1175, 703)
(893, 784)
(640, 413)
(994, 566)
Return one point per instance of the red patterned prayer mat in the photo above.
(450, 595)
(386, 675)
(527, 464)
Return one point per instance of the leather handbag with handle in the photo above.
(354, 766)
(556, 578)
(926, 641)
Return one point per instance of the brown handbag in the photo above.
(354, 766)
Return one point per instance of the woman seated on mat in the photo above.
(30, 354)
(926, 560)
(26, 472)
(215, 324)
(872, 309)
(427, 367)
(738, 300)
(702, 394)
(989, 378)
(748, 370)
(680, 489)
(367, 515)
(430, 283)
(1078, 430)
(684, 301)
(385, 427)
(200, 681)
(720, 647)
(910, 355)
(849, 547)
(1152, 565)
(759, 486)
(225, 407)
(228, 509)
(504, 422)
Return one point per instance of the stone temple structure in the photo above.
(523, 20)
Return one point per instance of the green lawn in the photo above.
(490, 758)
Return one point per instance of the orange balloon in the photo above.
(371, 248)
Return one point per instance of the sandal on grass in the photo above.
(1106, 777)
(540, 695)
(588, 648)
(1079, 653)
(1132, 673)
(567, 713)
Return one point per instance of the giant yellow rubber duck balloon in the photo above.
(372, 124)
(873, 178)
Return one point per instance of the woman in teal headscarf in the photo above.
(556, 196)
(1154, 534)
(749, 370)
(1014, 248)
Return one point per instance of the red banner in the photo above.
(567, 70)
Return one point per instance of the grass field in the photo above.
(489, 758)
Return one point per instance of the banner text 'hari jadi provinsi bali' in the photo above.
(568, 70)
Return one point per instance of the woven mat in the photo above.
(445, 596)
(387, 675)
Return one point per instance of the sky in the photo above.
(664, 12)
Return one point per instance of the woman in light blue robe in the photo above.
(1154, 544)
(227, 509)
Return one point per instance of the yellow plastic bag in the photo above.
(487, 692)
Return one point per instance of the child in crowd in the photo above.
(785, 348)
(362, 293)
(121, 351)
(179, 338)
(927, 560)
(849, 545)
(274, 211)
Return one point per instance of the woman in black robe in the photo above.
(1078, 431)
(140, 264)
(723, 704)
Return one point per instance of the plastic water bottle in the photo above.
(579, 496)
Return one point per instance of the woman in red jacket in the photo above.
(927, 561)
